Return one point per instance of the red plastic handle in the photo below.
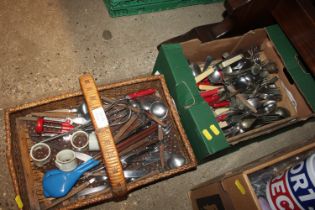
(222, 117)
(212, 99)
(208, 93)
(221, 104)
(66, 129)
(66, 124)
(60, 126)
(39, 125)
(204, 82)
(141, 93)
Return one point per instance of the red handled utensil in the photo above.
(212, 99)
(140, 93)
(204, 82)
(53, 126)
(221, 104)
(208, 93)
(132, 96)
(222, 117)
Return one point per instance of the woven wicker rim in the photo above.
(130, 186)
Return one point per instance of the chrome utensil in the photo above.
(269, 106)
(100, 175)
(216, 77)
(247, 123)
(159, 109)
(92, 190)
(176, 161)
(208, 61)
(282, 112)
(243, 83)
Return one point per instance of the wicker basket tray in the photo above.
(27, 178)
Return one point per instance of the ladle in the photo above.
(57, 183)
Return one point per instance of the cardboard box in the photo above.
(296, 86)
(234, 191)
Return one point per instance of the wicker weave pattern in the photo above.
(19, 165)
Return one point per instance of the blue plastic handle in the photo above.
(57, 183)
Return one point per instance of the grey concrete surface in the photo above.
(47, 44)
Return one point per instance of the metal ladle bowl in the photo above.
(159, 109)
(146, 102)
(176, 161)
(269, 106)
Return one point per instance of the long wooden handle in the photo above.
(105, 139)
(124, 128)
(136, 137)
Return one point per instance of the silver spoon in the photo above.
(176, 161)
(146, 102)
(269, 106)
(92, 190)
(159, 109)
(270, 96)
(244, 82)
(215, 77)
(247, 123)
(282, 112)
(83, 111)
(134, 104)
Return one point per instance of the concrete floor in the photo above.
(47, 44)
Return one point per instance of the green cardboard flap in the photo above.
(174, 66)
(185, 96)
(203, 131)
(169, 57)
(302, 78)
(197, 120)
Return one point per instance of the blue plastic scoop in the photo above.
(57, 183)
